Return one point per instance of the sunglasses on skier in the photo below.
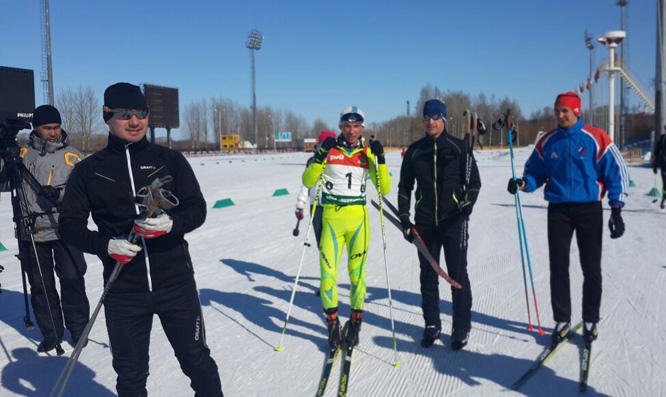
(126, 114)
(434, 117)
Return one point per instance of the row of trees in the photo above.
(224, 115)
(204, 119)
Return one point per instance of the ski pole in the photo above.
(388, 282)
(516, 200)
(296, 231)
(300, 265)
(521, 227)
(655, 189)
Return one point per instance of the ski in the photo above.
(545, 355)
(328, 366)
(344, 374)
(585, 366)
(418, 242)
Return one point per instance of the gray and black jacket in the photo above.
(50, 164)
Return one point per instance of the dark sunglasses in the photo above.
(351, 118)
(126, 114)
(435, 117)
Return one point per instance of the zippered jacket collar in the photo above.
(116, 144)
(42, 146)
(577, 127)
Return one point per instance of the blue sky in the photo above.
(319, 57)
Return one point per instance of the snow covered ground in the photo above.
(246, 260)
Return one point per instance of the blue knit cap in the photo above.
(434, 107)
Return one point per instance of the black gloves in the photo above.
(407, 231)
(378, 150)
(465, 208)
(515, 184)
(50, 193)
(615, 223)
(322, 152)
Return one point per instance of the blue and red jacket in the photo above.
(578, 165)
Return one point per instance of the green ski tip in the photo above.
(278, 349)
(396, 365)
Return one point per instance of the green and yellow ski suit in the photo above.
(343, 176)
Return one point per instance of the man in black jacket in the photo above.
(159, 280)
(437, 162)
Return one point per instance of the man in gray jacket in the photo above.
(50, 159)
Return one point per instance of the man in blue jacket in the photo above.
(579, 164)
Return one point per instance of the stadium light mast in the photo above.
(47, 70)
(590, 46)
(254, 43)
(623, 99)
(660, 75)
(611, 40)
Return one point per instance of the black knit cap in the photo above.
(46, 114)
(124, 96)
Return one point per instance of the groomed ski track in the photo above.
(246, 258)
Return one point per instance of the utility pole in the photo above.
(590, 46)
(623, 88)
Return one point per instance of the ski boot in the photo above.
(46, 346)
(590, 332)
(430, 335)
(663, 202)
(333, 323)
(353, 327)
(560, 332)
(457, 343)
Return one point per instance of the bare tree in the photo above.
(196, 124)
(319, 126)
(80, 111)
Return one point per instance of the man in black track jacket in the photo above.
(437, 162)
(157, 276)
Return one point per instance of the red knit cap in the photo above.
(325, 134)
(570, 100)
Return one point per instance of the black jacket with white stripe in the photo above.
(105, 185)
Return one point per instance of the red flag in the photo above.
(596, 76)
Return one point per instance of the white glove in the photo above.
(122, 250)
(153, 227)
(300, 205)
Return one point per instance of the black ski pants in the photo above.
(586, 219)
(129, 319)
(70, 266)
(446, 235)
(316, 222)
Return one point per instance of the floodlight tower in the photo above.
(611, 40)
(254, 43)
(47, 70)
(590, 46)
(660, 75)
